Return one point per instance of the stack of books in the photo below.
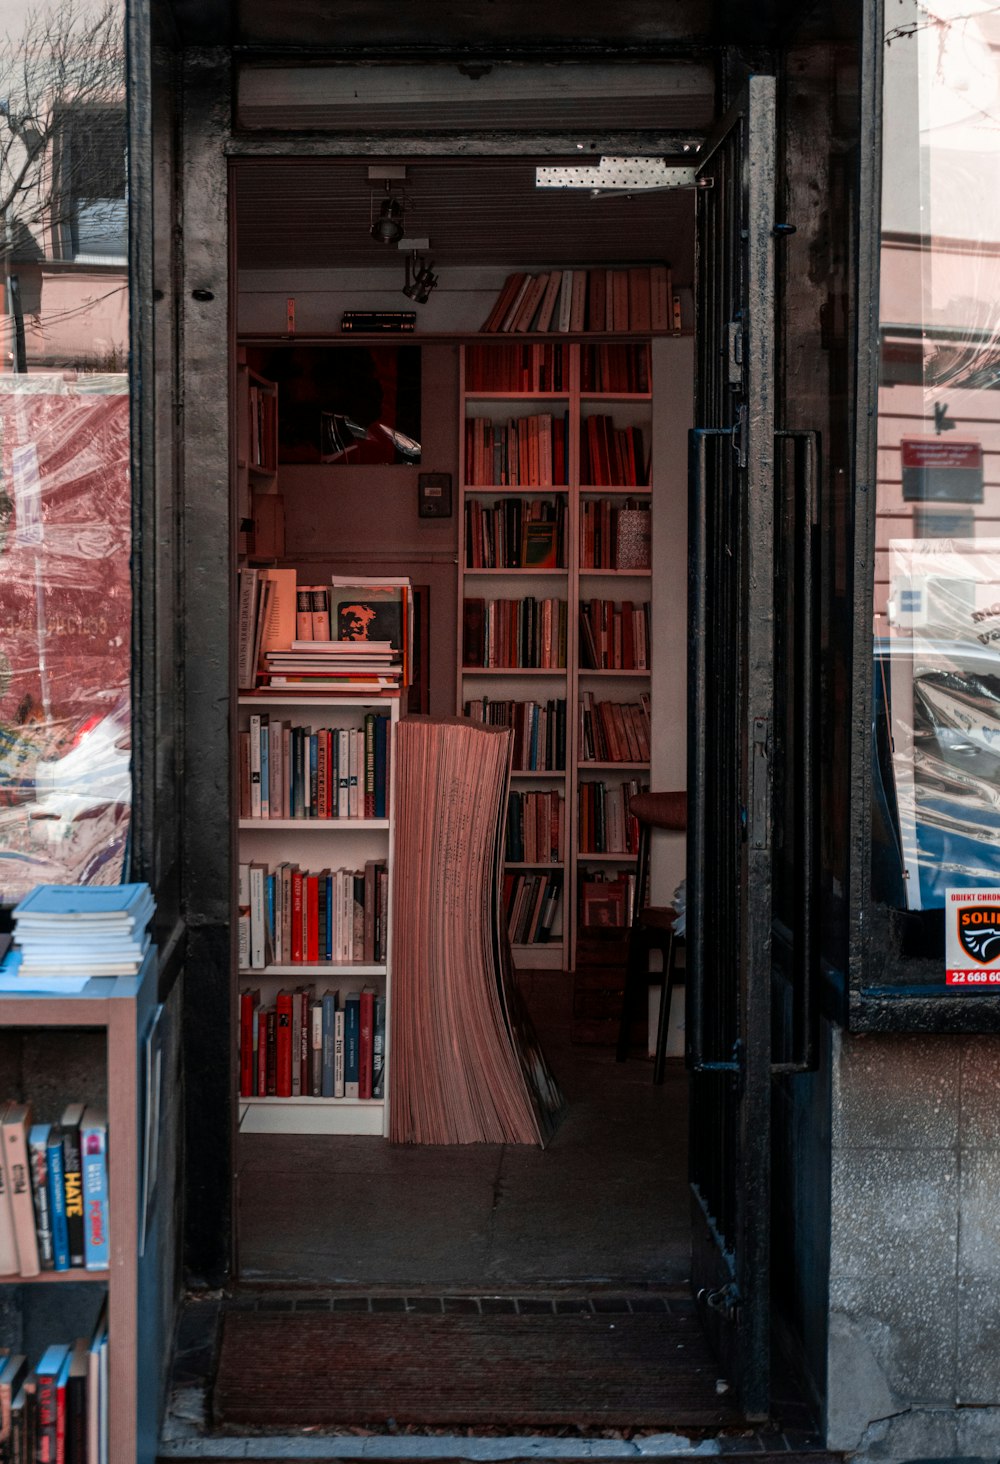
(72, 932)
(467, 1068)
(331, 665)
(355, 636)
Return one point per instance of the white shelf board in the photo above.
(313, 825)
(321, 968)
(312, 1116)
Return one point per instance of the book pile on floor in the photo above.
(65, 934)
(466, 1066)
(355, 636)
(57, 1408)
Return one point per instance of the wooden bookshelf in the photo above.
(628, 411)
(121, 1009)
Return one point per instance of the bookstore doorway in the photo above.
(489, 396)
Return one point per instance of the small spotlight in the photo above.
(388, 227)
(420, 278)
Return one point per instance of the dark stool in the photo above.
(652, 927)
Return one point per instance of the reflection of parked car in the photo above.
(936, 774)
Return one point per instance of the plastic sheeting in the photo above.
(938, 694)
(65, 630)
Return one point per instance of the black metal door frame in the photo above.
(730, 740)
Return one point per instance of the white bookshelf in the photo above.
(573, 581)
(316, 844)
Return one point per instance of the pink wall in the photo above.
(365, 519)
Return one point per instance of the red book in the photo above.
(262, 1015)
(303, 996)
(297, 900)
(283, 1045)
(367, 1029)
(312, 919)
(271, 1049)
(248, 1000)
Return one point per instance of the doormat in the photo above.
(396, 1369)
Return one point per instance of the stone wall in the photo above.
(914, 1329)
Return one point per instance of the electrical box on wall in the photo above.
(434, 495)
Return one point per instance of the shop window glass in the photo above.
(65, 593)
(936, 733)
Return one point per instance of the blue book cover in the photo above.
(352, 1043)
(329, 1023)
(57, 1200)
(94, 1146)
(381, 727)
(38, 1144)
(60, 901)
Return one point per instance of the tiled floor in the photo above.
(605, 1203)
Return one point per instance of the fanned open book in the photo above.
(466, 1066)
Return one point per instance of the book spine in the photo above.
(37, 1145)
(96, 1241)
(329, 1009)
(366, 1033)
(18, 1170)
(378, 1049)
(57, 1202)
(73, 1181)
(338, 1053)
(255, 804)
(283, 1045)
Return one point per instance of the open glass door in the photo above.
(730, 769)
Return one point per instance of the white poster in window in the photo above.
(972, 939)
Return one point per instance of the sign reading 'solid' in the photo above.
(972, 939)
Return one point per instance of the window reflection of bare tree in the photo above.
(62, 152)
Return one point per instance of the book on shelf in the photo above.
(632, 298)
(57, 1199)
(305, 1045)
(540, 547)
(604, 822)
(14, 1126)
(614, 637)
(73, 1180)
(375, 608)
(54, 1404)
(510, 634)
(531, 903)
(378, 322)
(519, 452)
(613, 731)
(96, 1194)
(613, 368)
(488, 1080)
(606, 904)
(527, 366)
(534, 832)
(314, 772)
(309, 917)
(612, 456)
(539, 730)
(45, 1222)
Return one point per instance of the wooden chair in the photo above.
(652, 927)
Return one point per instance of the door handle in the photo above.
(805, 945)
(698, 439)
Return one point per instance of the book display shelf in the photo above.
(554, 601)
(303, 880)
(119, 1014)
(320, 847)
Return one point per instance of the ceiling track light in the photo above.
(387, 227)
(420, 278)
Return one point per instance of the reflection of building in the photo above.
(66, 295)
